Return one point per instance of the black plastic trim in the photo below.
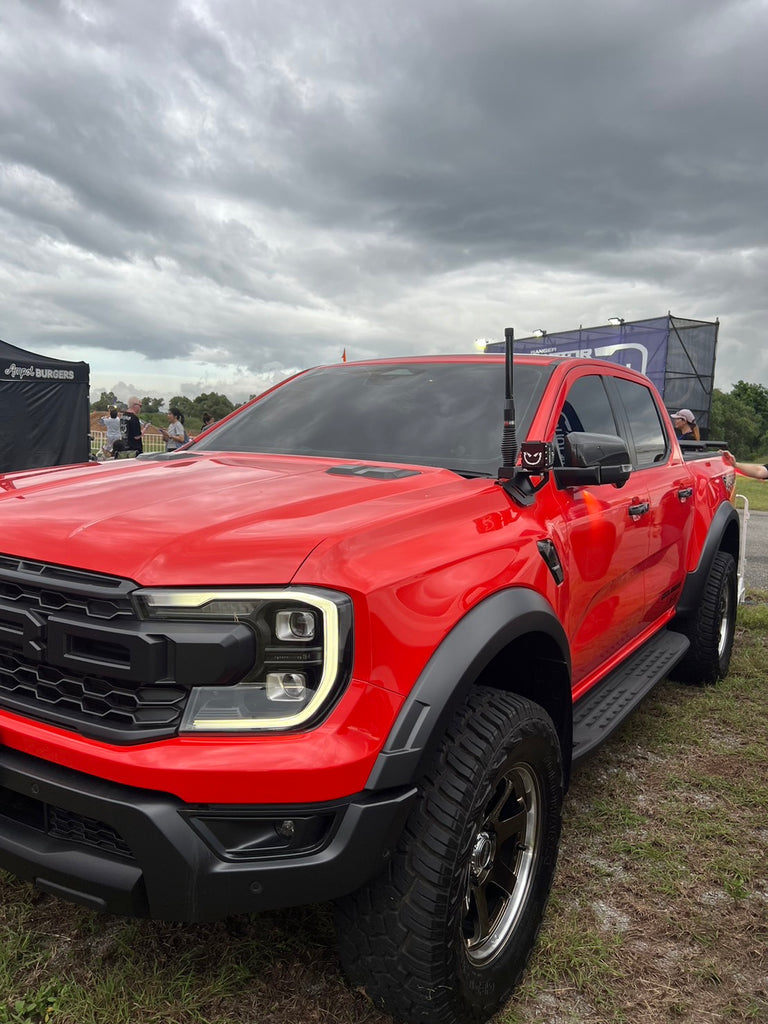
(373, 472)
(548, 552)
(603, 708)
(725, 518)
(450, 673)
(79, 582)
(176, 874)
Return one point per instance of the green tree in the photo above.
(217, 405)
(105, 399)
(151, 405)
(737, 421)
(183, 404)
(756, 396)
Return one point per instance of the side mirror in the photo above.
(593, 459)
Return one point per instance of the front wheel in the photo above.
(712, 626)
(443, 935)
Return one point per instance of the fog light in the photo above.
(295, 625)
(291, 686)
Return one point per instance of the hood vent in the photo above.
(373, 472)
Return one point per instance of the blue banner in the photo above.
(641, 345)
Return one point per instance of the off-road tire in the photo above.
(712, 626)
(444, 933)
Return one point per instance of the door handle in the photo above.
(685, 492)
(639, 510)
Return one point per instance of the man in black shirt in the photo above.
(131, 430)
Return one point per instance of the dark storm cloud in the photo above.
(606, 122)
(263, 178)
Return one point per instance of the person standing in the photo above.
(131, 440)
(175, 435)
(685, 426)
(111, 424)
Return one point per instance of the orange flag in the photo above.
(344, 356)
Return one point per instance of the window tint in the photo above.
(647, 432)
(586, 408)
(440, 414)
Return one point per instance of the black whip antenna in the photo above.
(509, 446)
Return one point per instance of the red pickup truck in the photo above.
(332, 651)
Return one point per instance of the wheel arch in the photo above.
(724, 535)
(511, 641)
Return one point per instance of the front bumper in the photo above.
(140, 853)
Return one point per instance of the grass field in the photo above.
(755, 491)
(659, 911)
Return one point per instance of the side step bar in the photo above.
(603, 708)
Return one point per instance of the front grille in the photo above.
(72, 653)
(29, 584)
(61, 824)
(75, 701)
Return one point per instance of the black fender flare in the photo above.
(723, 535)
(450, 673)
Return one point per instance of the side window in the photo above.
(647, 431)
(586, 407)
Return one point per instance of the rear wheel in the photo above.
(711, 629)
(443, 935)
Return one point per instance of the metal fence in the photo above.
(152, 442)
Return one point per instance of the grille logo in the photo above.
(22, 629)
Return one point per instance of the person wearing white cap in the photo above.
(685, 425)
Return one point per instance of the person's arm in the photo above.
(754, 469)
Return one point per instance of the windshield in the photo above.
(445, 414)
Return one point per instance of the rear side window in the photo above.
(648, 435)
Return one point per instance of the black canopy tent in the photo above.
(43, 410)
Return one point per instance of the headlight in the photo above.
(303, 654)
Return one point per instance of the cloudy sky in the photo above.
(203, 195)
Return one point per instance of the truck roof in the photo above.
(467, 357)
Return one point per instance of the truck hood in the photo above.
(204, 519)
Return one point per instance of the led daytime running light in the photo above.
(183, 604)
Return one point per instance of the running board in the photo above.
(603, 708)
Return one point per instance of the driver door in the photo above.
(605, 542)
